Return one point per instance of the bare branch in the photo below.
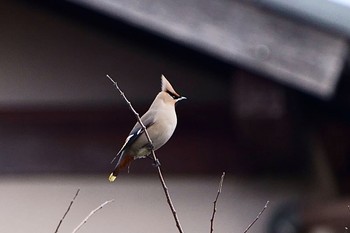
(160, 175)
(91, 213)
(257, 217)
(168, 198)
(347, 228)
(71, 203)
(215, 202)
(135, 113)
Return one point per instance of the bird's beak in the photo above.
(181, 98)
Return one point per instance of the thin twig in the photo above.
(257, 217)
(71, 203)
(215, 201)
(168, 198)
(160, 175)
(133, 110)
(347, 228)
(91, 213)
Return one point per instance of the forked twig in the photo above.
(257, 217)
(160, 175)
(70, 205)
(91, 213)
(215, 202)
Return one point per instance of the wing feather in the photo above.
(135, 133)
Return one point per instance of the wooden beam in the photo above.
(243, 34)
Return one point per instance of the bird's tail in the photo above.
(122, 163)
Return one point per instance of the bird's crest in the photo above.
(166, 86)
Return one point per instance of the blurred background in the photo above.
(268, 103)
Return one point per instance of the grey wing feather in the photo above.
(148, 120)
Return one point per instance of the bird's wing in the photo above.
(148, 120)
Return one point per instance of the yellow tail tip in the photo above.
(112, 177)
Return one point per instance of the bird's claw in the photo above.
(156, 163)
(150, 147)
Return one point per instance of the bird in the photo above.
(160, 121)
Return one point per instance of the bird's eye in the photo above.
(174, 96)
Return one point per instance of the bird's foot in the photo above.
(156, 163)
(150, 147)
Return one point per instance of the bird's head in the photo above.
(168, 92)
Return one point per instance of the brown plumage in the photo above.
(125, 162)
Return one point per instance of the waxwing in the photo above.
(160, 121)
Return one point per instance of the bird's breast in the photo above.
(163, 130)
(160, 132)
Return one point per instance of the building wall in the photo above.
(53, 57)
